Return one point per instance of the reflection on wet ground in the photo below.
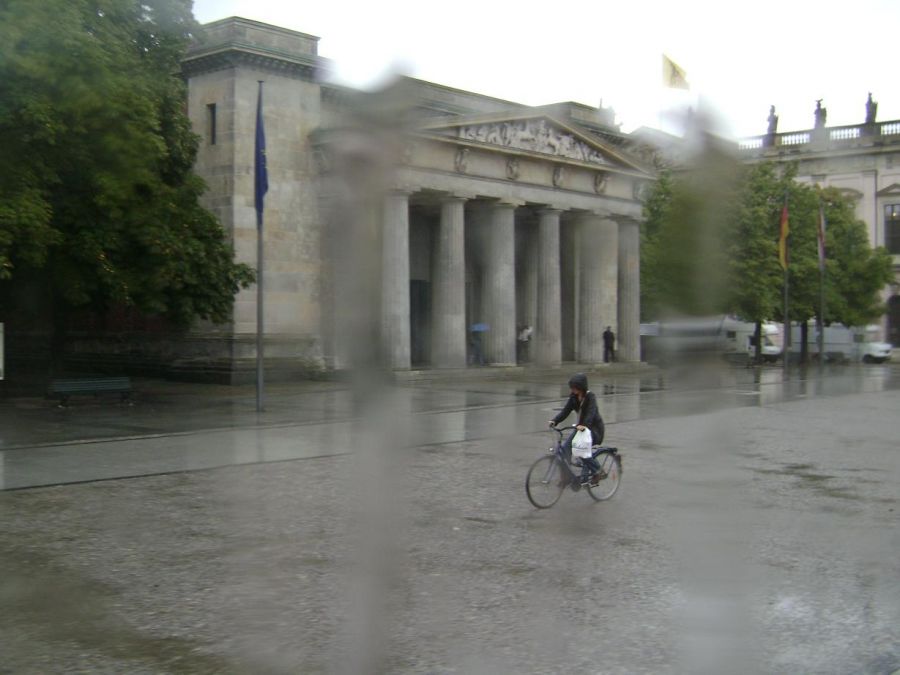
(189, 427)
(772, 542)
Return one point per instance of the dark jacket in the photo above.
(588, 415)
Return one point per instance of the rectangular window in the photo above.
(892, 228)
(211, 123)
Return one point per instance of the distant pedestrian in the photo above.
(609, 345)
(476, 341)
(523, 340)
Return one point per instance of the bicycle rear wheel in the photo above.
(544, 483)
(610, 476)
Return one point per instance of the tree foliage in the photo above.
(755, 276)
(683, 259)
(855, 272)
(743, 276)
(97, 194)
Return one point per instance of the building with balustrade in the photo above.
(497, 214)
(863, 162)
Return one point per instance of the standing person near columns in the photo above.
(524, 340)
(609, 345)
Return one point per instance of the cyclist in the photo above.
(583, 401)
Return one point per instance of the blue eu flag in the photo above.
(261, 175)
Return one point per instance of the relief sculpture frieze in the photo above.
(533, 135)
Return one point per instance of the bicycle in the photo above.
(552, 473)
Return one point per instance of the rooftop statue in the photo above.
(871, 109)
(820, 113)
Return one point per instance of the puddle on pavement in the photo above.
(839, 493)
(798, 467)
(816, 482)
(483, 521)
(650, 445)
(814, 477)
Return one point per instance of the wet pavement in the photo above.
(179, 427)
(756, 530)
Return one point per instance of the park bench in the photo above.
(65, 388)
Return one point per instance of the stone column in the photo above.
(598, 242)
(628, 341)
(395, 281)
(547, 336)
(500, 286)
(448, 335)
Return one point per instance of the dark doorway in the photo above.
(420, 322)
(894, 320)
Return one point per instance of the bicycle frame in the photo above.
(559, 472)
(560, 455)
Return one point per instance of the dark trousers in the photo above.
(608, 354)
(522, 351)
(476, 356)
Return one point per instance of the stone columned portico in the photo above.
(486, 197)
(497, 216)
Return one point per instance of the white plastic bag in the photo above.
(581, 444)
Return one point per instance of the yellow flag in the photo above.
(784, 232)
(673, 75)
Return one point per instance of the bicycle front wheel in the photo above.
(610, 475)
(544, 483)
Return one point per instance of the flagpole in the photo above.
(821, 321)
(787, 328)
(260, 314)
(787, 320)
(821, 238)
(261, 185)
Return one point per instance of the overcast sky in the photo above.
(740, 56)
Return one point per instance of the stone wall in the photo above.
(224, 70)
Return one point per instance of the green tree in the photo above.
(754, 275)
(855, 272)
(657, 210)
(683, 260)
(710, 245)
(97, 195)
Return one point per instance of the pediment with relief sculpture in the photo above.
(542, 135)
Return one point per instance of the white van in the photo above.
(725, 335)
(741, 334)
(845, 343)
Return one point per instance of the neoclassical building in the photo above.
(495, 213)
(862, 161)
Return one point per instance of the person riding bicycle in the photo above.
(583, 401)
